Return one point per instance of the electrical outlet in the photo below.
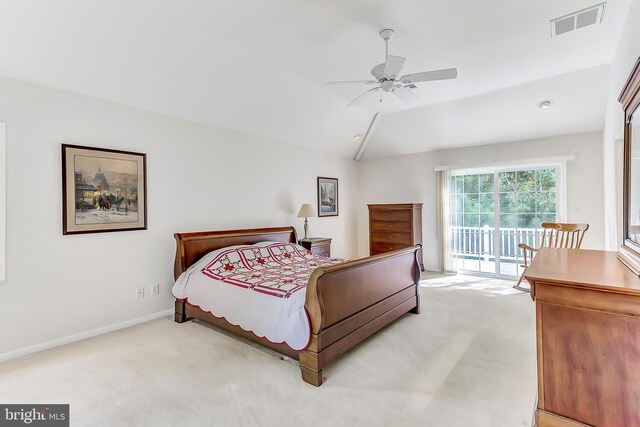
(155, 289)
(140, 293)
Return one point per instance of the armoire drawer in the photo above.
(391, 237)
(379, 248)
(401, 226)
(390, 215)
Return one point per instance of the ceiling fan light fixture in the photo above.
(546, 104)
(387, 77)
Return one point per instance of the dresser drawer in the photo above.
(390, 215)
(321, 250)
(390, 237)
(379, 248)
(317, 245)
(401, 226)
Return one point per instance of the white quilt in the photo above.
(260, 288)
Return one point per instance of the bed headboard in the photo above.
(193, 246)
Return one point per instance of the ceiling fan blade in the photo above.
(345, 82)
(448, 73)
(378, 71)
(362, 97)
(405, 94)
(393, 66)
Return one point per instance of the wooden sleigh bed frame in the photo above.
(346, 303)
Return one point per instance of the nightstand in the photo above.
(317, 245)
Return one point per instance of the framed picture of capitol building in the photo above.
(103, 190)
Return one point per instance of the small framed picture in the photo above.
(327, 196)
(103, 190)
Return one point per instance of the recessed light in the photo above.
(357, 136)
(545, 104)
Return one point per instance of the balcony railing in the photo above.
(479, 243)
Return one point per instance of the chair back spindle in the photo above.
(554, 235)
(558, 235)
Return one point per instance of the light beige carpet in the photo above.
(467, 360)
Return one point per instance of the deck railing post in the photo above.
(486, 241)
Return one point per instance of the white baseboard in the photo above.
(14, 354)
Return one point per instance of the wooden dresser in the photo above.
(395, 227)
(588, 338)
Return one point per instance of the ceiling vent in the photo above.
(576, 20)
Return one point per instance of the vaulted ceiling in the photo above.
(260, 67)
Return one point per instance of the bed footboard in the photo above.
(349, 302)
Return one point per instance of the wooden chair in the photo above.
(555, 235)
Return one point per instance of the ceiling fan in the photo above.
(387, 80)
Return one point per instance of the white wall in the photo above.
(625, 57)
(411, 178)
(199, 178)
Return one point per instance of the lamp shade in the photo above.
(306, 211)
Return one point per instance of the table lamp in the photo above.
(306, 211)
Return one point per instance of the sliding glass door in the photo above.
(472, 222)
(527, 199)
(491, 211)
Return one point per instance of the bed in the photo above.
(345, 303)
